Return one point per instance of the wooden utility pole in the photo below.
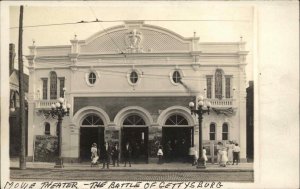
(22, 95)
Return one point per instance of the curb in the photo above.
(136, 170)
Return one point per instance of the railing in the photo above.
(226, 102)
(44, 104)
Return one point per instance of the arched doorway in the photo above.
(91, 131)
(177, 138)
(135, 132)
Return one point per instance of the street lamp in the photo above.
(59, 110)
(200, 110)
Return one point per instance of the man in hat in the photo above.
(236, 153)
(106, 155)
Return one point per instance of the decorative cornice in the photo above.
(195, 66)
(130, 93)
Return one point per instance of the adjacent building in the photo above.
(250, 121)
(133, 83)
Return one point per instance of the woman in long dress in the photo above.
(94, 156)
(160, 155)
(230, 152)
(204, 155)
(219, 154)
(224, 157)
(195, 156)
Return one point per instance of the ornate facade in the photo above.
(133, 83)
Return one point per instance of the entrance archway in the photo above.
(177, 138)
(91, 131)
(135, 132)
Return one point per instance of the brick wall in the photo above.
(112, 105)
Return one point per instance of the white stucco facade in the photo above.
(154, 53)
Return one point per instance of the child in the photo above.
(160, 155)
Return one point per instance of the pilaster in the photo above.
(31, 98)
(242, 111)
(155, 139)
(31, 130)
(74, 140)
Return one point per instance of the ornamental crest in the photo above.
(133, 40)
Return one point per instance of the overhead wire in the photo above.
(147, 20)
(93, 12)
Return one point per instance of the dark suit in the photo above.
(127, 155)
(106, 154)
(115, 155)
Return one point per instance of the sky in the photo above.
(218, 23)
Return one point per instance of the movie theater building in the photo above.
(133, 83)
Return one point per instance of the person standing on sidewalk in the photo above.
(168, 151)
(106, 155)
(204, 155)
(115, 154)
(236, 153)
(230, 152)
(160, 155)
(94, 156)
(224, 157)
(219, 155)
(127, 154)
(195, 156)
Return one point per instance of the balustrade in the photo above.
(44, 104)
(222, 102)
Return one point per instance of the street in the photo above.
(40, 174)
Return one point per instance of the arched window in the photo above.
(45, 88)
(212, 131)
(47, 128)
(134, 120)
(208, 86)
(53, 85)
(133, 77)
(218, 84)
(176, 120)
(225, 131)
(92, 120)
(176, 77)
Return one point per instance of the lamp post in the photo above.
(200, 110)
(59, 110)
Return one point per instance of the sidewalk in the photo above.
(166, 167)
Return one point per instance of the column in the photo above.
(31, 100)
(31, 107)
(242, 112)
(31, 125)
(154, 140)
(74, 142)
(213, 87)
